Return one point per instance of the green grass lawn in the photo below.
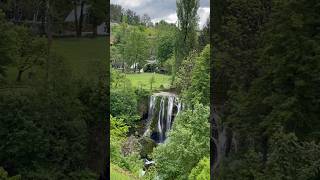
(116, 173)
(81, 54)
(143, 80)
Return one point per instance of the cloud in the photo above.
(130, 3)
(161, 9)
(172, 18)
(203, 13)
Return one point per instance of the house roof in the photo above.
(71, 18)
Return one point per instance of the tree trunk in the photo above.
(80, 25)
(75, 17)
(135, 68)
(49, 36)
(19, 77)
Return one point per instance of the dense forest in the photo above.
(253, 72)
(159, 96)
(52, 107)
(266, 68)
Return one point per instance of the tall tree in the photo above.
(187, 24)
(116, 13)
(267, 52)
(204, 37)
(146, 20)
(31, 51)
(78, 9)
(236, 33)
(7, 44)
(136, 48)
(132, 17)
(165, 41)
(97, 12)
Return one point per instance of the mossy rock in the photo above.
(147, 147)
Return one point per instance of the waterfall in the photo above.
(160, 120)
(150, 113)
(163, 107)
(169, 111)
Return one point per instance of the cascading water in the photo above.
(160, 120)
(163, 107)
(169, 112)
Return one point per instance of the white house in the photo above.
(101, 29)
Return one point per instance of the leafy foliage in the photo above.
(165, 44)
(136, 48)
(31, 50)
(4, 175)
(266, 74)
(198, 91)
(118, 134)
(201, 171)
(124, 104)
(7, 44)
(187, 144)
(183, 77)
(186, 38)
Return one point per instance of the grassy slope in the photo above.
(116, 173)
(143, 79)
(82, 53)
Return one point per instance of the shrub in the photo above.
(187, 143)
(201, 171)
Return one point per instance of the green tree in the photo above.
(292, 159)
(7, 44)
(186, 40)
(236, 28)
(201, 171)
(165, 41)
(122, 37)
(97, 13)
(116, 13)
(136, 48)
(152, 80)
(118, 132)
(204, 37)
(78, 16)
(184, 75)
(267, 54)
(4, 175)
(146, 20)
(188, 142)
(115, 56)
(132, 17)
(31, 51)
(198, 91)
(42, 125)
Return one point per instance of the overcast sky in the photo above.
(162, 9)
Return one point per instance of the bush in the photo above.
(133, 163)
(201, 171)
(169, 64)
(4, 175)
(151, 67)
(118, 132)
(123, 103)
(187, 143)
